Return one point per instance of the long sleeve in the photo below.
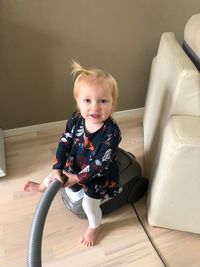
(65, 144)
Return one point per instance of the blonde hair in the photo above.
(94, 75)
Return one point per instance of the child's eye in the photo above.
(86, 100)
(104, 101)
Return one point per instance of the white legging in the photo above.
(93, 211)
(90, 205)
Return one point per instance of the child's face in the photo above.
(94, 102)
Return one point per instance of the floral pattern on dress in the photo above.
(91, 156)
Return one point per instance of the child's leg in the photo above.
(37, 187)
(93, 211)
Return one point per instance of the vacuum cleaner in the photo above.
(133, 187)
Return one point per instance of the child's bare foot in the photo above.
(34, 187)
(90, 236)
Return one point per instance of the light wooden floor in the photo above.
(126, 239)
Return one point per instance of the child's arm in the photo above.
(65, 145)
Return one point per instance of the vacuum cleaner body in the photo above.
(133, 187)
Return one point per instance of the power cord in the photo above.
(149, 237)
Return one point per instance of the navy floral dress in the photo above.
(91, 156)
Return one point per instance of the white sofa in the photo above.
(173, 200)
(191, 39)
(172, 135)
(173, 90)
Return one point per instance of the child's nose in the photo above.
(95, 105)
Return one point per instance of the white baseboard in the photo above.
(2, 156)
(136, 111)
(34, 128)
(60, 124)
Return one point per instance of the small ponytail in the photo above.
(77, 69)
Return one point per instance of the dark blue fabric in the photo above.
(91, 156)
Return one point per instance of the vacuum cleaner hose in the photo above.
(36, 231)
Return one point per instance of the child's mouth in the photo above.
(95, 116)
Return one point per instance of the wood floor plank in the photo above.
(122, 241)
(177, 248)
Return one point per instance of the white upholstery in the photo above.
(2, 156)
(172, 134)
(173, 89)
(174, 198)
(192, 33)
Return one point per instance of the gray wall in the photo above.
(38, 39)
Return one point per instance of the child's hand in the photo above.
(55, 175)
(72, 179)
